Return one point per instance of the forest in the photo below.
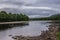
(8, 17)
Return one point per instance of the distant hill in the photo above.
(56, 16)
(53, 17)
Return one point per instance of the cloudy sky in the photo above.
(37, 7)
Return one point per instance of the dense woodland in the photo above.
(7, 17)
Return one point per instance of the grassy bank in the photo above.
(58, 36)
(58, 33)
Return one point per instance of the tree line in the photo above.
(53, 17)
(7, 17)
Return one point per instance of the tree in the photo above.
(4, 17)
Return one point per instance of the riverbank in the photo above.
(15, 22)
(6, 25)
(45, 35)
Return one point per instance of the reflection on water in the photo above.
(33, 29)
(9, 26)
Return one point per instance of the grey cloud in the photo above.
(48, 1)
(31, 2)
(12, 2)
(17, 2)
(34, 3)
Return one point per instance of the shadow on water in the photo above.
(4, 27)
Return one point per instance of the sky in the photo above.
(35, 7)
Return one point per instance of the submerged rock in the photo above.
(10, 35)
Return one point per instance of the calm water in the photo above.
(33, 29)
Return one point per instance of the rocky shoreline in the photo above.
(45, 35)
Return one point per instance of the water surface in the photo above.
(33, 29)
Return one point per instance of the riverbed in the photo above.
(33, 29)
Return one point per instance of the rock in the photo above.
(9, 35)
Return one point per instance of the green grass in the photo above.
(58, 36)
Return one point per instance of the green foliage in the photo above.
(7, 17)
(58, 36)
(56, 17)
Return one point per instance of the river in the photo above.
(33, 29)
